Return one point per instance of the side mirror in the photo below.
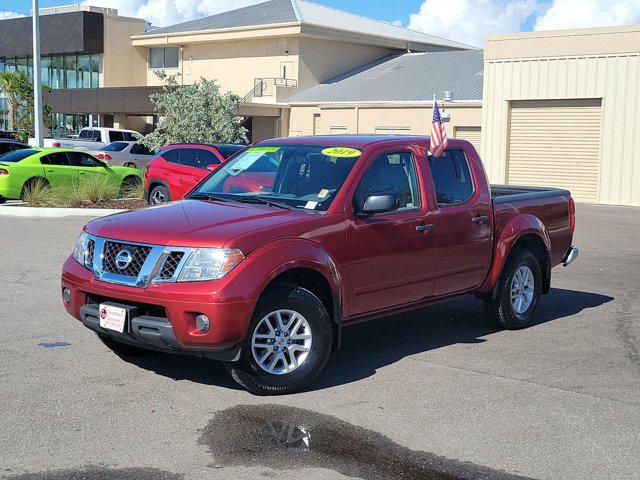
(375, 204)
(213, 166)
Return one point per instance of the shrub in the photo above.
(93, 189)
(132, 189)
(37, 193)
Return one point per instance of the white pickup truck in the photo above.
(92, 138)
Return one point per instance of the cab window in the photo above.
(391, 173)
(452, 177)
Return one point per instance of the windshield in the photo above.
(299, 176)
(17, 155)
(114, 147)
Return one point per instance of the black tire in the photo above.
(123, 349)
(130, 165)
(499, 306)
(252, 377)
(129, 184)
(30, 183)
(2, 200)
(159, 195)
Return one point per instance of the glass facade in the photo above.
(59, 71)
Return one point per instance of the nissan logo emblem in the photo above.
(123, 259)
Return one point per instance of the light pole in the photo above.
(37, 86)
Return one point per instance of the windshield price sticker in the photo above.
(341, 152)
(264, 149)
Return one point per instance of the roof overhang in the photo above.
(127, 100)
(217, 35)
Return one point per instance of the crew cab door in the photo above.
(463, 221)
(57, 169)
(194, 163)
(391, 255)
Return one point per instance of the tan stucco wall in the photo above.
(122, 65)
(580, 64)
(367, 118)
(234, 64)
(322, 60)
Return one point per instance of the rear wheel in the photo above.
(130, 165)
(33, 184)
(518, 293)
(287, 345)
(123, 348)
(129, 184)
(159, 195)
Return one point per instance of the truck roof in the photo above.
(359, 141)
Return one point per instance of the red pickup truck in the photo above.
(342, 229)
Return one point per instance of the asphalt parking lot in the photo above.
(435, 390)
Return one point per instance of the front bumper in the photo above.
(153, 333)
(165, 319)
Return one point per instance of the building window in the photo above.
(165, 57)
(59, 71)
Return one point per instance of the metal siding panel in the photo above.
(471, 134)
(539, 153)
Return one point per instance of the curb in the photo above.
(55, 212)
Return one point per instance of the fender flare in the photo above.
(508, 236)
(270, 260)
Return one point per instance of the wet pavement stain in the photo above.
(99, 473)
(286, 438)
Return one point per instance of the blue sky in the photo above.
(466, 21)
(379, 9)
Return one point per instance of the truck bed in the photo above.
(514, 193)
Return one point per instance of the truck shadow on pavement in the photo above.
(372, 345)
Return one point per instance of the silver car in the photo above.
(125, 154)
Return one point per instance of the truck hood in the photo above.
(191, 223)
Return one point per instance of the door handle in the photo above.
(424, 228)
(480, 219)
(50, 171)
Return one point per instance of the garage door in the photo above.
(555, 144)
(470, 134)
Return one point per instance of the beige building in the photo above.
(562, 108)
(267, 52)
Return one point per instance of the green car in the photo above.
(21, 169)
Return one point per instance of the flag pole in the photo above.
(37, 85)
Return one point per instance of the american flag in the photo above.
(438, 134)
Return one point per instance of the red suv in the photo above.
(178, 167)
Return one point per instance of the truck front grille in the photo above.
(139, 254)
(170, 265)
(91, 248)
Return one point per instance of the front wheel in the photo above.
(517, 295)
(287, 345)
(159, 195)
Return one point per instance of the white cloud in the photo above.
(467, 21)
(162, 13)
(5, 14)
(588, 13)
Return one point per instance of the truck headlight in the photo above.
(80, 252)
(209, 264)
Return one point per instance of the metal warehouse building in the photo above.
(562, 108)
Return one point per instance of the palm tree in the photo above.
(13, 84)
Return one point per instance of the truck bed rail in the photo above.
(513, 193)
